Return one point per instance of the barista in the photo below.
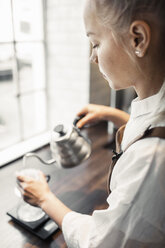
(128, 40)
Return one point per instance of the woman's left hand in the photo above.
(34, 191)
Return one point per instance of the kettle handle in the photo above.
(77, 119)
(78, 129)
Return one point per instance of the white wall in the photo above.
(67, 59)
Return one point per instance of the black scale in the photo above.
(42, 226)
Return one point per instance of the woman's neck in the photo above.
(148, 88)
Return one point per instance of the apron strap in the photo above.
(117, 154)
(156, 132)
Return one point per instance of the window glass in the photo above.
(9, 110)
(33, 107)
(31, 67)
(5, 21)
(28, 20)
(7, 66)
(9, 121)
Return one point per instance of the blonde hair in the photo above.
(119, 14)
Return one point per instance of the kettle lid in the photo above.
(60, 133)
(60, 130)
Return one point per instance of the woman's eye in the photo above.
(95, 46)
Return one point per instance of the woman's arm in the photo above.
(55, 208)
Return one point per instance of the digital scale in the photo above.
(33, 219)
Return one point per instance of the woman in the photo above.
(128, 45)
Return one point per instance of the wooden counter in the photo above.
(82, 188)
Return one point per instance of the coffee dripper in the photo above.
(25, 211)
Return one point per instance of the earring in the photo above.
(137, 52)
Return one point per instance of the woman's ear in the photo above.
(140, 37)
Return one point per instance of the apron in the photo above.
(157, 132)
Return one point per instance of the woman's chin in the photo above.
(113, 86)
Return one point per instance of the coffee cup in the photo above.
(31, 174)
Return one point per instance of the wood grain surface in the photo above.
(82, 188)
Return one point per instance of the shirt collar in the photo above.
(149, 104)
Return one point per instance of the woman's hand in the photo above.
(34, 191)
(94, 113)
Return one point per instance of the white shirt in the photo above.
(135, 217)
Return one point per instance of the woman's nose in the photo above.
(94, 58)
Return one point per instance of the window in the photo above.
(23, 92)
(32, 100)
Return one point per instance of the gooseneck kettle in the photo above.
(69, 147)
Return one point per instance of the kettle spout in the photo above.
(30, 154)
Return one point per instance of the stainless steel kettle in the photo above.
(69, 147)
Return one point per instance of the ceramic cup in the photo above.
(30, 173)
